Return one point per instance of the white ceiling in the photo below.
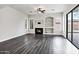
(31, 8)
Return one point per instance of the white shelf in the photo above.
(48, 27)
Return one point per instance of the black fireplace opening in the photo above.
(38, 30)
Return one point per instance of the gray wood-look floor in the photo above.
(29, 44)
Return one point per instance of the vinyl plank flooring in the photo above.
(34, 44)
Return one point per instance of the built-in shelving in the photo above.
(48, 30)
(48, 25)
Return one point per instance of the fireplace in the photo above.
(38, 30)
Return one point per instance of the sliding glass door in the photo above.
(76, 26)
(69, 26)
(72, 28)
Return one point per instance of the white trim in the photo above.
(11, 37)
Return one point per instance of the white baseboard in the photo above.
(12, 37)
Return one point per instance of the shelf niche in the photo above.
(49, 25)
(49, 22)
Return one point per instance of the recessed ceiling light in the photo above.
(35, 11)
(35, 8)
(30, 11)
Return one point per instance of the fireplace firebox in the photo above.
(38, 30)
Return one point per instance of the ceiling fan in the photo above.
(41, 10)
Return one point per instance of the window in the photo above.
(31, 24)
(25, 24)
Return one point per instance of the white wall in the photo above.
(12, 23)
(58, 17)
(64, 18)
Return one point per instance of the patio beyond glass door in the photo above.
(76, 27)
